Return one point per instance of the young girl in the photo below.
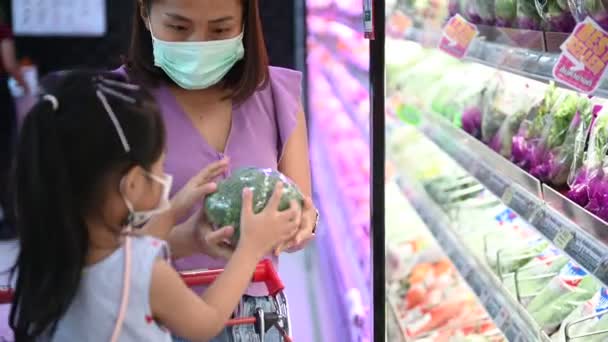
(89, 167)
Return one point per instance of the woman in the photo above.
(207, 62)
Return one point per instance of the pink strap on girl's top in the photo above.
(125, 291)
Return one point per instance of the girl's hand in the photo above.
(305, 231)
(213, 242)
(199, 186)
(262, 232)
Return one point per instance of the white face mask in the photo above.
(138, 218)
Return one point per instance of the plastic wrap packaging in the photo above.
(591, 172)
(527, 17)
(529, 135)
(596, 9)
(536, 274)
(223, 208)
(506, 13)
(479, 11)
(564, 293)
(562, 147)
(492, 119)
(596, 306)
(556, 15)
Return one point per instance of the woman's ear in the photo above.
(144, 14)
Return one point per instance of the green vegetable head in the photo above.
(223, 208)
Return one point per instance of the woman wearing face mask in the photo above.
(207, 63)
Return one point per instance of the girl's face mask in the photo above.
(197, 65)
(139, 217)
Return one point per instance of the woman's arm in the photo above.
(8, 57)
(295, 164)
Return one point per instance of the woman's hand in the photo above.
(305, 231)
(199, 186)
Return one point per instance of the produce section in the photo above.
(501, 164)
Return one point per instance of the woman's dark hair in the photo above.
(65, 156)
(244, 78)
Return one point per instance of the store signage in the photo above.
(458, 34)
(82, 18)
(584, 57)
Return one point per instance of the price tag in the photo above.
(507, 196)
(562, 239)
(584, 57)
(458, 34)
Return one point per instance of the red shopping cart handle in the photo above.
(264, 273)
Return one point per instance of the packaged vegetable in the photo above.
(506, 12)
(564, 293)
(591, 171)
(596, 9)
(525, 142)
(223, 208)
(536, 274)
(563, 143)
(556, 15)
(596, 306)
(492, 119)
(480, 11)
(527, 15)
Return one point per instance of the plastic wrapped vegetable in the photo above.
(492, 119)
(556, 15)
(596, 9)
(480, 11)
(528, 137)
(564, 140)
(595, 306)
(506, 12)
(591, 172)
(527, 15)
(223, 208)
(564, 293)
(535, 275)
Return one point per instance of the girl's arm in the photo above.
(201, 318)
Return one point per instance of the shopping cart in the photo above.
(262, 321)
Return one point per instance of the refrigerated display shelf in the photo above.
(508, 315)
(528, 63)
(571, 228)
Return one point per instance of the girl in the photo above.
(207, 63)
(89, 166)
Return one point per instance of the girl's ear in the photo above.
(132, 183)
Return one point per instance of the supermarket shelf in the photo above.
(514, 59)
(508, 315)
(578, 233)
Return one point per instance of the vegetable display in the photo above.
(527, 15)
(596, 9)
(223, 208)
(480, 11)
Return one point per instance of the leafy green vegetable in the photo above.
(527, 15)
(223, 208)
(506, 12)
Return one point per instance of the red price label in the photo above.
(584, 57)
(458, 34)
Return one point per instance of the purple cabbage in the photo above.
(506, 12)
(471, 121)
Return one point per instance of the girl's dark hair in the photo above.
(64, 159)
(247, 75)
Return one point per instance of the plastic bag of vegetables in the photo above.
(527, 15)
(591, 171)
(556, 15)
(492, 119)
(479, 11)
(223, 208)
(597, 305)
(596, 9)
(536, 274)
(563, 145)
(525, 142)
(564, 293)
(506, 12)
